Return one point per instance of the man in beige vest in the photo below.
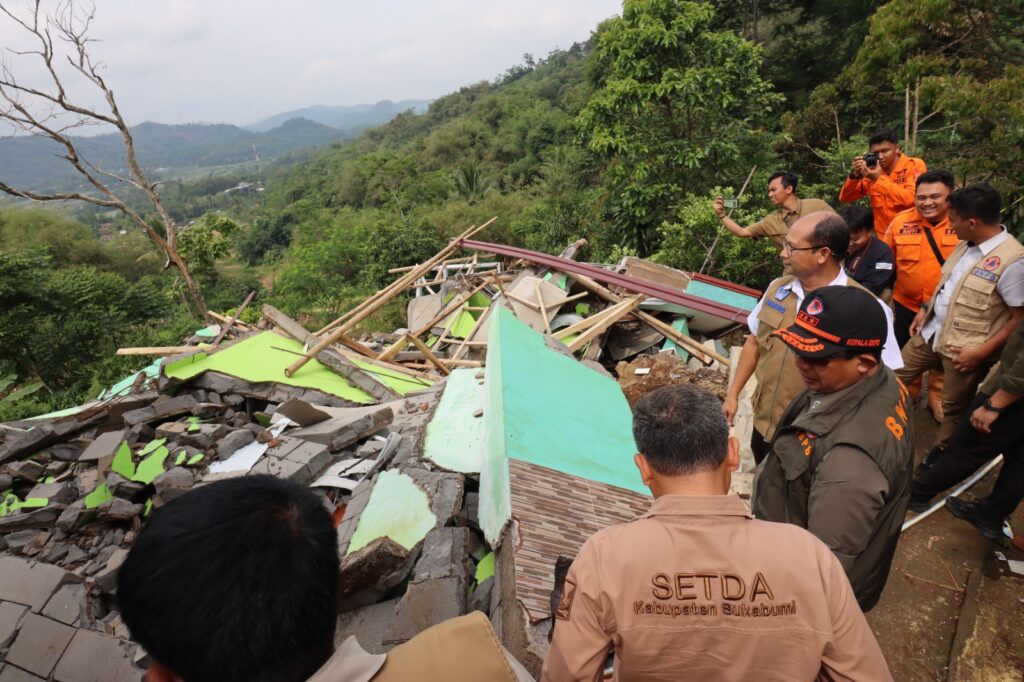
(237, 581)
(812, 257)
(697, 589)
(978, 303)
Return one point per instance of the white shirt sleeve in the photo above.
(1011, 284)
(891, 355)
(752, 324)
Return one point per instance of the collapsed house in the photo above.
(465, 458)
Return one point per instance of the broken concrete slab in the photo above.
(69, 518)
(56, 492)
(107, 577)
(104, 445)
(67, 605)
(39, 644)
(366, 566)
(37, 518)
(118, 510)
(370, 625)
(30, 583)
(454, 439)
(233, 441)
(94, 657)
(10, 618)
(161, 409)
(173, 483)
(398, 509)
(201, 436)
(341, 431)
(444, 555)
(444, 489)
(428, 603)
(26, 470)
(8, 673)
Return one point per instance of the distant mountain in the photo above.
(33, 163)
(357, 117)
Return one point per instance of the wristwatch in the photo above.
(990, 407)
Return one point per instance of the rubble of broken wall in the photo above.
(79, 487)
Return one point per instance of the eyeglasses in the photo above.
(822, 362)
(786, 246)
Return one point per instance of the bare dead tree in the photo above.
(48, 112)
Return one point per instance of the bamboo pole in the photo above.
(157, 350)
(234, 318)
(608, 318)
(702, 353)
(402, 283)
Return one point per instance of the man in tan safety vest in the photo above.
(977, 304)
(812, 257)
(697, 589)
(238, 580)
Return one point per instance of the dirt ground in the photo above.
(951, 610)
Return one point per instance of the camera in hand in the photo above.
(730, 202)
(871, 159)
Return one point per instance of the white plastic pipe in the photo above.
(964, 486)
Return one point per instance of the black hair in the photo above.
(932, 176)
(833, 232)
(789, 178)
(858, 218)
(980, 201)
(883, 135)
(235, 581)
(681, 430)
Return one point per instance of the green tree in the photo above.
(677, 104)
(205, 242)
(470, 181)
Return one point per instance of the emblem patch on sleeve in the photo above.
(565, 604)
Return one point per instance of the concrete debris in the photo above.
(648, 372)
(353, 424)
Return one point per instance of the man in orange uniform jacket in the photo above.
(888, 184)
(919, 259)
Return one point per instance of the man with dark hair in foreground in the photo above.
(698, 589)
(841, 460)
(238, 581)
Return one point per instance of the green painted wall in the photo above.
(455, 438)
(548, 409)
(397, 509)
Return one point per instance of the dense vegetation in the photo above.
(623, 140)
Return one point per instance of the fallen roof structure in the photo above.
(466, 457)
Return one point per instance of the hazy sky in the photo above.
(234, 61)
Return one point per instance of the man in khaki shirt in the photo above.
(774, 226)
(698, 589)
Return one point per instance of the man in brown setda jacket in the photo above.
(237, 581)
(697, 589)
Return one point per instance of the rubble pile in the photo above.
(429, 447)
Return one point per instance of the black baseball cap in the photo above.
(835, 319)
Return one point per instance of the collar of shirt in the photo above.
(786, 213)
(699, 505)
(991, 243)
(798, 288)
(350, 663)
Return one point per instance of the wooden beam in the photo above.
(157, 350)
(234, 318)
(541, 306)
(336, 361)
(699, 351)
(379, 299)
(220, 318)
(431, 358)
(608, 317)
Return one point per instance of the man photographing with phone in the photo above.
(782, 193)
(886, 176)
